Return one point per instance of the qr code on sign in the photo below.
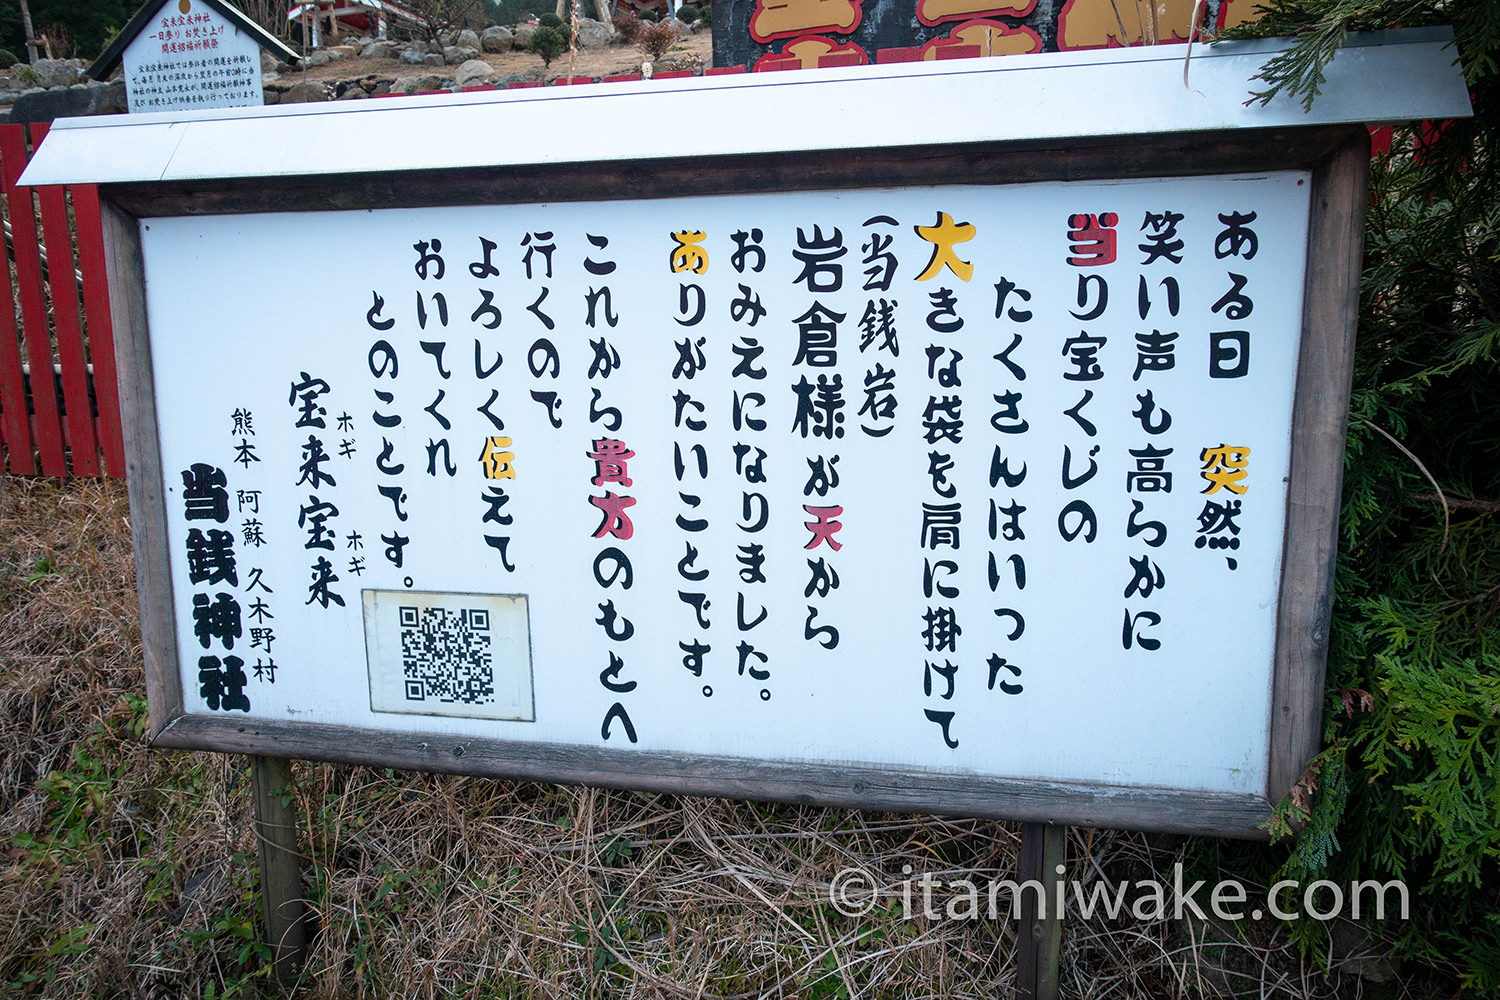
(447, 655)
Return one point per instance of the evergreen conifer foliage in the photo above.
(1408, 786)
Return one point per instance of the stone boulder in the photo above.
(456, 54)
(54, 72)
(473, 71)
(433, 60)
(594, 34)
(304, 93)
(318, 59)
(496, 39)
(415, 56)
(415, 84)
(521, 38)
(73, 101)
(467, 39)
(377, 50)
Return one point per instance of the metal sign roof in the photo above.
(1375, 78)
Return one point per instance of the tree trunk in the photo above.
(26, 29)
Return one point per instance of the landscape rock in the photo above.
(56, 72)
(269, 97)
(467, 39)
(345, 51)
(68, 102)
(415, 57)
(354, 93)
(522, 36)
(497, 39)
(318, 59)
(433, 60)
(305, 93)
(594, 34)
(381, 88)
(403, 85)
(455, 54)
(473, 71)
(377, 50)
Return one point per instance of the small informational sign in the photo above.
(189, 56)
(950, 478)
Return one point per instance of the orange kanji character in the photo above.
(1225, 466)
(499, 463)
(943, 236)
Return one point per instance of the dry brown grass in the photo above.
(128, 872)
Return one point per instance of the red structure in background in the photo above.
(58, 411)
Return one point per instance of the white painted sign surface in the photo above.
(896, 482)
(191, 57)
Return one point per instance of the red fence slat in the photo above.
(61, 280)
(33, 310)
(100, 325)
(14, 430)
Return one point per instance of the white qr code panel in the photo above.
(464, 655)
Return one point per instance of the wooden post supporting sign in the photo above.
(284, 908)
(1039, 936)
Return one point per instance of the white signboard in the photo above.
(191, 57)
(980, 480)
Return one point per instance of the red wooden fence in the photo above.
(59, 401)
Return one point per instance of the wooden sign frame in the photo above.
(1336, 155)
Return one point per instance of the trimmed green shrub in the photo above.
(549, 43)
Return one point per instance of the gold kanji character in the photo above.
(1225, 466)
(498, 461)
(944, 236)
